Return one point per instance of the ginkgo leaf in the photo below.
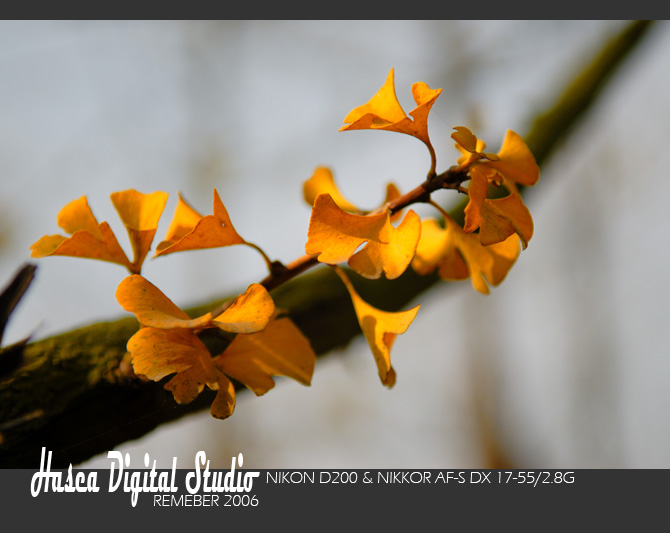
(503, 217)
(384, 112)
(280, 349)
(88, 238)
(393, 193)
(390, 258)
(380, 329)
(157, 353)
(334, 235)
(140, 213)
(464, 137)
(183, 221)
(224, 402)
(249, 312)
(516, 162)
(477, 191)
(147, 302)
(322, 182)
(458, 255)
(77, 216)
(187, 232)
(471, 148)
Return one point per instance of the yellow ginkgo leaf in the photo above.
(249, 312)
(477, 192)
(466, 139)
(458, 255)
(471, 148)
(393, 193)
(334, 235)
(503, 217)
(280, 349)
(380, 329)
(157, 353)
(183, 221)
(516, 162)
(322, 182)
(188, 232)
(140, 213)
(384, 112)
(152, 308)
(390, 258)
(88, 238)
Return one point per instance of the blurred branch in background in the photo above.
(80, 379)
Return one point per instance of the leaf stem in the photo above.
(270, 264)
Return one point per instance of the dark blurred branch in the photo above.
(73, 395)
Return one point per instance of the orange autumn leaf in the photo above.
(248, 313)
(334, 235)
(384, 112)
(380, 329)
(279, 350)
(503, 217)
(478, 190)
(513, 164)
(390, 258)
(466, 139)
(93, 240)
(323, 182)
(471, 148)
(191, 231)
(458, 255)
(157, 353)
(140, 213)
(393, 193)
(516, 162)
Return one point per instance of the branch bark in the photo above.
(73, 396)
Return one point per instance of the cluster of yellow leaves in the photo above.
(513, 165)
(371, 245)
(167, 342)
(335, 232)
(337, 228)
(487, 256)
(381, 242)
(139, 212)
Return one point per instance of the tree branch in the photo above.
(73, 395)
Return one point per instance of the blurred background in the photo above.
(565, 365)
